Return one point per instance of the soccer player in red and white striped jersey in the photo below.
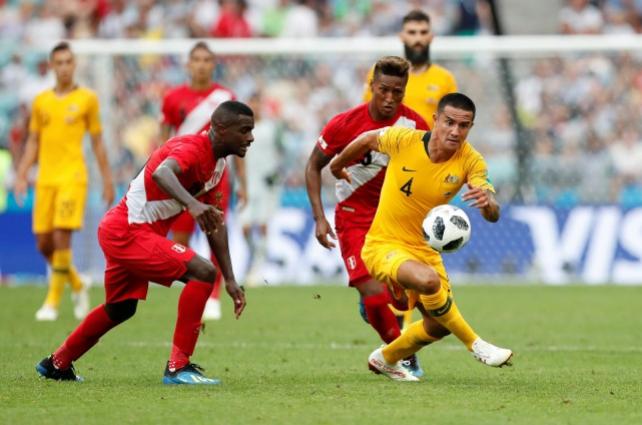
(357, 201)
(186, 109)
(181, 175)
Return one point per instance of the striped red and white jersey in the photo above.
(146, 204)
(188, 111)
(357, 201)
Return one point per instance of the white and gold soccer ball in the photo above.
(446, 228)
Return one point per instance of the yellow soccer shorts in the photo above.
(383, 259)
(59, 207)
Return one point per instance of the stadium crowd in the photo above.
(581, 111)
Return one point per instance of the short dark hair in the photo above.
(391, 65)
(229, 110)
(457, 100)
(415, 15)
(201, 45)
(63, 45)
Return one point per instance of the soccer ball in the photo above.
(446, 228)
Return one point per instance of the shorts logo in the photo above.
(179, 248)
(352, 262)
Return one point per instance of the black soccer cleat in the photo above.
(47, 370)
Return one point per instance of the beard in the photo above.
(417, 56)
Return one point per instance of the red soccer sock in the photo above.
(218, 282)
(96, 324)
(188, 322)
(380, 317)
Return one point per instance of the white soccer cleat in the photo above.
(491, 355)
(80, 300)
(396, 372)
(212, 310)
(46, 313)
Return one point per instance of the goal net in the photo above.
(558, 122)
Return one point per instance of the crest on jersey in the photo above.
(352, 262)
(451, 179)
(179, 248)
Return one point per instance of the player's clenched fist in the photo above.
(207, 216)
(237, 293)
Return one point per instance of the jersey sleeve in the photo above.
(477, 171)
(393, 140)
(93, 115)
(329, 141)
(367, 92)
(35, 124)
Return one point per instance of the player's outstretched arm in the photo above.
(219, 244)
(28, 159)
(207, 217)
(485, 200)
(368, 141)
(103, 164)
(317, 161)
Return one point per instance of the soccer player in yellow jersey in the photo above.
(60, 117)
(426, 169)
(427, 81)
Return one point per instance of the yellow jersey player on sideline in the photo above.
(426, 169)
(59, 119)
(427, 82)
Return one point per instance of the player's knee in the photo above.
(121, 311)
(206, 272)
(45, 247)
(428, 281)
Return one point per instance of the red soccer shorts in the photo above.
(351, 239)
(185, 223)
(134, 256)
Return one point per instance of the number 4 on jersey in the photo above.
(407, 186)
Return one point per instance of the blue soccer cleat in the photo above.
(47, 370)
(191, 374)
(412, 364)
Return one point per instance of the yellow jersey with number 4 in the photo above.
(414, 184)
(61, 123)
(423, 91)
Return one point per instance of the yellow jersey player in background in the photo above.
(60, 117)
(426, 169)
(427, 82)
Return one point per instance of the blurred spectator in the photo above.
(231, 22)
(116, 22)
(273, 20)
(301, 20)
(203, 17)
(580, 17)
(45, 24)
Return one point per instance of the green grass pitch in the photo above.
(298, 356)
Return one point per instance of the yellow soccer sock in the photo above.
(408, 343)
(74, 280)
(442, 307)
(60, 264)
